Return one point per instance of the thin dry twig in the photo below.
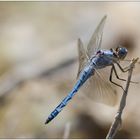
(117, 121)
(67, 130)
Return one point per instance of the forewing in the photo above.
(101, 89)
(96, 39)
(83, 58)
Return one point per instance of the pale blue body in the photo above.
(100, 60)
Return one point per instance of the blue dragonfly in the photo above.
(91, 62)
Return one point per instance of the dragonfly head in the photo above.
(121, 52)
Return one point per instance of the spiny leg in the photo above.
(110, 78)
(123, 69)
(117, 74)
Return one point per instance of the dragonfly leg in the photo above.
(110, 78)
(117, 74)
(123, 69)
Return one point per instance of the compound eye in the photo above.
(122, 52)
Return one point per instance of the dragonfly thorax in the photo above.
(103, 58)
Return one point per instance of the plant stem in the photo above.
(117, 121)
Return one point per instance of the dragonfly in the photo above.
(91, 61)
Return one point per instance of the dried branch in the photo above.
(117, 121)
(67, 130)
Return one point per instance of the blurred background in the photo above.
(39, 64)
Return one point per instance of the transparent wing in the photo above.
(101, 89)
(83, 58)
(96, 39)
(94, 45)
